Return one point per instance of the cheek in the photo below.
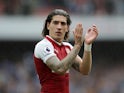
(51, 28)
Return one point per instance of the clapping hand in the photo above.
(91, 35)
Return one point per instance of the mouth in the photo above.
(58, 33)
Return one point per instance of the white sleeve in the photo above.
(44, 50)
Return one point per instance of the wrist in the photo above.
(77, 45)
(87, 47)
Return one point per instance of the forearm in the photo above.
(63, 65)
(86, 64)
(67, 62)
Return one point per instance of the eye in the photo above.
(55, 22)
(63, 23)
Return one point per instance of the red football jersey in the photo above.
(50, 81)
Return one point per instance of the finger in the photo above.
(89, 30)
(95, 29)
(94, 25)
(78, 29)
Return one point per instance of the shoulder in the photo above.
(42, 48)
(43, 43)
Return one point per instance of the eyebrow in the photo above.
(62, 22)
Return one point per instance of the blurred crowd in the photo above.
(20, 77)
(40, 7)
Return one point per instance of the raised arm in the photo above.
(84, 65)
(62, 66)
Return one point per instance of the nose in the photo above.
(59, 26)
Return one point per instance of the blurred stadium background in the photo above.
(21, 24)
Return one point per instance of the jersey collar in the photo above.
(52, 40)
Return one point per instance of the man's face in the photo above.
(58, 27)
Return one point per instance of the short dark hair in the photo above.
(45, 31)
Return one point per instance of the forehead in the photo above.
(59, 18)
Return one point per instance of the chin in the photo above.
(59, 39)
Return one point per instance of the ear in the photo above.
(48, 25)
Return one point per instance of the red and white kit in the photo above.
(50, 81)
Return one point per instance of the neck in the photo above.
(59, 41)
